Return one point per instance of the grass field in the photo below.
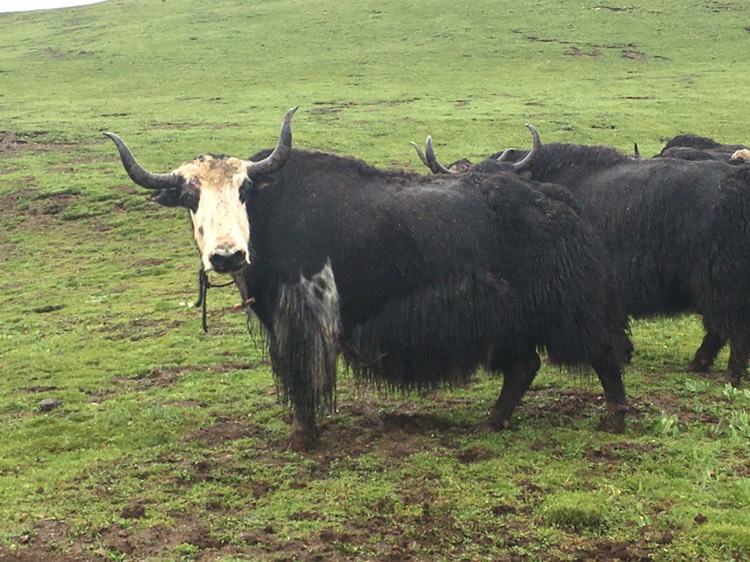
(169, 444)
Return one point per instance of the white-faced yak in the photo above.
(415, 281)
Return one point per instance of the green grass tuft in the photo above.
(580, 512)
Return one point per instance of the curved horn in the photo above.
(138, 173)
(636, 152)
(280, 154)
(436, 166)
(420, 154)
(428, 158)
(528, 160)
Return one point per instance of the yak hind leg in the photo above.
(304, 351)
(610, 375)
(739, 354)
(706, 354)
(518, 376)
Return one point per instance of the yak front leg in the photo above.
(304, 350)
(610, 375)
(518, 376)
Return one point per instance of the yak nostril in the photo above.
(226, 263)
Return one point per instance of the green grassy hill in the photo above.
(169, 443)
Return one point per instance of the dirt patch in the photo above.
(16, 141)
(718, 7)
(328, 108)
(614, 453)
(139, 329)
(560, 406)
(51, 204)
(10, 203)
(633, 55)
(431, 531)
(159, 540)
(48, 540)
(37, 389)
(615, 8)
(576, 52)
(224, 431)
(420, 524)
(164, 377)
(604, 550)
(671, 403)
(33, 209)
(148, 262)
(628, 51)
(155, 378)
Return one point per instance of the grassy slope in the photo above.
(95, 279)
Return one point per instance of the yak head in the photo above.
(214, 189)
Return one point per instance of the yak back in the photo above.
(562, 163)
(677, 229)
(701, 143)
(436, 274)
(687, 153)
(695, 147)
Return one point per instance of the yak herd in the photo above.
(416, 281)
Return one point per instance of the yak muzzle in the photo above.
(227, 262)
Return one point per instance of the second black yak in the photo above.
(676, 229)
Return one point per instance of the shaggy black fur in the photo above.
(678, 233)
(695, 147)
(434, 277)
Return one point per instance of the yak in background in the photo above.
(696, 147)
(677, 231)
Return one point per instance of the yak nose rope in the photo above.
(204, 284)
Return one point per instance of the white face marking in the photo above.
(220, 224)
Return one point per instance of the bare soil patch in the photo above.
(360, 427)
(17, 141)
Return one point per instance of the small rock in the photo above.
(49, 404)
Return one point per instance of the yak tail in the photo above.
(304, 343)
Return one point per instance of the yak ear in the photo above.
(168, 197)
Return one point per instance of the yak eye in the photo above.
(245, 189)
(189, 197)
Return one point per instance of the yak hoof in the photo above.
(696, 366)
(614, 420)
(734, 378)
(300, 440)
(498, 423)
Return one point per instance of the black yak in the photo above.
(696, 147)
(676, 230)
(415, 281)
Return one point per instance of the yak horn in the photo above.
(536, 148)
(138, 173)
(428, 158)
(280, 154)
